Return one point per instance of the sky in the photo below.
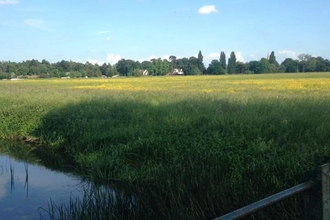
(105, 31)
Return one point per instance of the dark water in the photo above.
(26, 187)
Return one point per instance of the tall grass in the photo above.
(205, 145)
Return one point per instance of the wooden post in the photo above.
(317, 198)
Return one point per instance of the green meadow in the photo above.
(187, 147)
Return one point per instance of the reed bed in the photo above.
(215, 143)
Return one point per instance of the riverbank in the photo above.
(206, 140)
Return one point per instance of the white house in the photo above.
(177, 72)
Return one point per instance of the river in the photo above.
(27, 186)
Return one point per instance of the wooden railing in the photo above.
(316, 197)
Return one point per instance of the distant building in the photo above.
(177, 72)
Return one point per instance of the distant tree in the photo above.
(193, 61)
(160, 67)
(92, 70)
(34, 62)
(74, 74)
(183, 64)
(311, 65)
(272, 59)
(200, 63)
(42, 69)
(75, 66)
(11, 67)
(23, 69)
(231, 69)
(304, 57)
(125, 67)
(327, 64)
(320, 65)
(46, 63)
(191, 67)
(253, 66)
(33, 70)
(108, 70)
(192, 70)
(65, 66)
(172, 58)
(215, 68)
(264, 66)
(55, 73)
(146, 65)
(223, 60)
(241, 67)
(290, 65)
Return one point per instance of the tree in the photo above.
(223, 60)
(146, 65)
(272, 59)
(290, 65)
(108, 70)
(160, 67)
(42, 69)
(304, 57)
(321, 65)
(241, 67)
(232, 63)
(192, 67)
(65, 66)
(311, 65)
(215, 68)
(200, 63)
(253, 66)
(126, 67)
(264, 66)
(172, 58)
(327, 64)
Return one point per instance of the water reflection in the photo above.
(26, 188)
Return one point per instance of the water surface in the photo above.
(26, 187)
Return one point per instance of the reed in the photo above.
(214, 143)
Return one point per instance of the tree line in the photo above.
(190, 66)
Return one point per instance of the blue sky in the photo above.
(107, 30)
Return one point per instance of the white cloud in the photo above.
(239, 56)
(108, 38)
(37, 23)
(113, 58)
(9, 2)
(207, 9)
(288, 54)
(207, 59)
(213, 56)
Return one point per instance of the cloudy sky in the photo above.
(108, 30)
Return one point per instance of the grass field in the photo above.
(215, 143)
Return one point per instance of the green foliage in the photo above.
(200, 63)
(223, 60)
(263, 66)
(126, 67)
(215, 68)
(290, 65)
(272, 59)
(232, 63)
